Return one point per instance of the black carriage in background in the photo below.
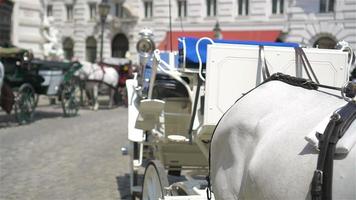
(123, 66)
(26, 78)
(20, 83)
(60, 82)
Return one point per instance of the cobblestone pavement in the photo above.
(65, 158)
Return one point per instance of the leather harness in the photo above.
(339, 122)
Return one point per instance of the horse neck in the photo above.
(89, 68)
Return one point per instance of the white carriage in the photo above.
(174, 109)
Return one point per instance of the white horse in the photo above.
(258, 150)
(94, 75)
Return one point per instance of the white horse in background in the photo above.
(94, 75)
(259, 151)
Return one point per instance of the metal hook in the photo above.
(348, 91)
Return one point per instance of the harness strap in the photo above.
(300, 82)
(263, 63)
(339, 122)
(306, 64)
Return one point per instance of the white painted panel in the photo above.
(134, 134)
(330, 66)
(233, 70)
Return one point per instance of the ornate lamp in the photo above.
(145, 47)
(104, 9)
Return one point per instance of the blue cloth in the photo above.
(165, 57)
(192, 58)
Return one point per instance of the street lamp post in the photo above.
(217, 31)
(104, 9)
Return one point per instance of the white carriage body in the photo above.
(231, 71)
(52, 79)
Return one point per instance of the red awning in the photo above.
(263, 36)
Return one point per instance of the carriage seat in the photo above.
(177, 116)
(149, 113)
(167, 87)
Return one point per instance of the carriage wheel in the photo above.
(154, 182)
(25, 104)
(70, 97)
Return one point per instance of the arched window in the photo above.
(68, 46)
(90, 49)
(119, 46)
(211, 8)
(325, 43)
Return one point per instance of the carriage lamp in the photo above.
(104, 9)
(217, 31)
(145, 45)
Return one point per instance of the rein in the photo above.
(340, 121)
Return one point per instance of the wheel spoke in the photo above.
(69, 102)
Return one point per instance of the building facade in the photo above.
(318, 23)
(26, 25)
(5, 22)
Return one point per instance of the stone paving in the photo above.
(65, 158)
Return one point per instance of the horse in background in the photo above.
(94, 75)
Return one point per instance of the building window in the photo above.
(119, 10)
(69, 8)
(325, 43)
(242, 7)
(68, 46)
(327, 6)
(119, 46)
(211, 8)
(148, 8)
(182, 8)
(277, 6)
(92, 11)
(49, 11)
(91, 49)
(6, 11)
